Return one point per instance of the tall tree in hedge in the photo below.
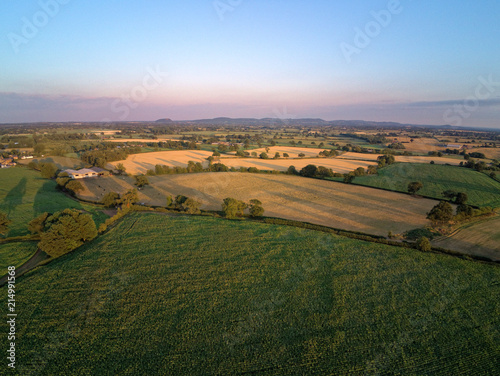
(442, 212)
(65, 231)
(414, 187)
(110, 199)
(74, 186)
(4, 224)
(48, 170)
(233, 208)
(424, 244)
(309, 171)
(256, 209)
(121, 168)
(141, 181)
(130, 197)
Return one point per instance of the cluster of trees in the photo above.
(184, 204)
(443, 212)
(63, 231)
(233, 208)
(113, 199)
(385, 160)
(48, 169)
(65, 183)
(107, 152)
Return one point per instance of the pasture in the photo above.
(196, 296)
(481, 189)
(480, 238)
(24, 195)
(15, 254)
(452, 160)
(321, 202)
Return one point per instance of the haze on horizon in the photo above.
(422, 62)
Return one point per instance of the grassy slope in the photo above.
(15, 254)
(208, 296)
(24, 195)
(482, 190)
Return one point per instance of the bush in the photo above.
(442, 212)
(424, 244)
(65, 231)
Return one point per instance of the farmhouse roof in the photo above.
(98, 169)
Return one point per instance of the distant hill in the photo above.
(300, 122)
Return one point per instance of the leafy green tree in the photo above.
(256, 209)
(301, 155)
(233, 208)
(74, 187)
(36, 225)
(424, 244)
(442, 212)
(461, 198)
(129, 198)
(141, 181)
(62, 181)
(277, 155)
(216, 154)
(414, 187)
(66, 230)
(4, 224)
(285, 155)
(191, 206)
(309, 171)
(263, 156)
(292, 171)
(121, 168)
(48, 170)
(110, 199)
(349, 178)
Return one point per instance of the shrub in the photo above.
(424, 244)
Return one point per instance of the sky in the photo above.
(419, 62)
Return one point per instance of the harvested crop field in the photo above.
(140, 163)
(293, 152)
(402, 158)
(481, 239)
(321, 202)
(342, 166)
(60, 162)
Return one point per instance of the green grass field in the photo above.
(160, 295)
(481, 189)
(24, 195)
(15, 254)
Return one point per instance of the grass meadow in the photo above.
(198, 295)
(15, 254)
(24, 195)
(481, 189)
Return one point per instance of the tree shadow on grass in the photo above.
(49, 200)
(14, 198)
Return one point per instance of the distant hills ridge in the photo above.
(302, 121)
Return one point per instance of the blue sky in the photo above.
(417, 62)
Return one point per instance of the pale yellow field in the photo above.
(140, 163)
(420, 145)
(491, 153)
(337, 165)
(402, 158)
(293, 152)
(481, 239)
(317, 201)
